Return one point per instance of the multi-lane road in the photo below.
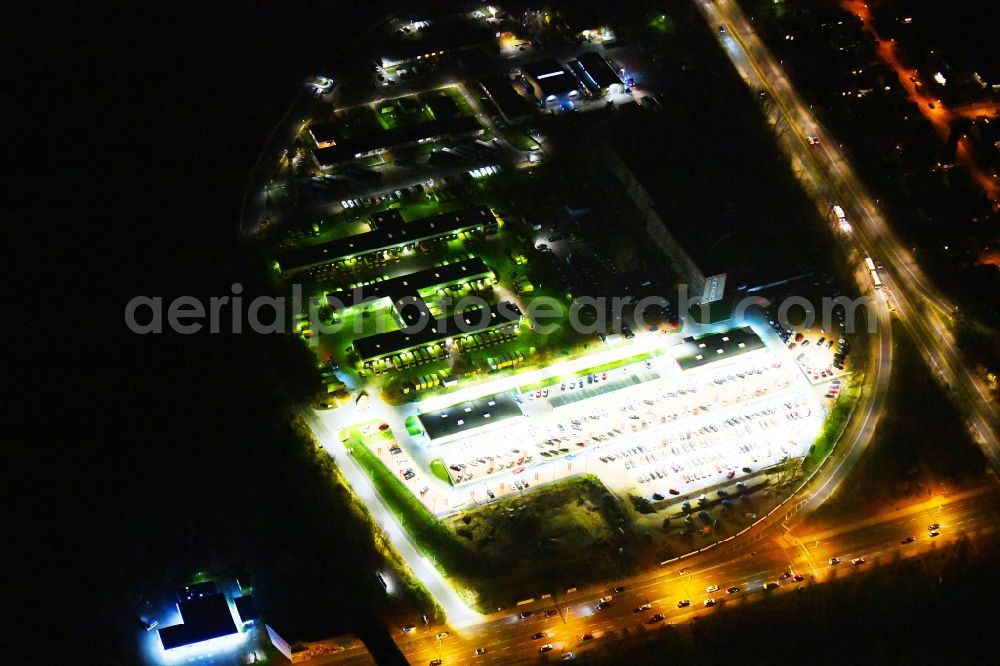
(921, 307)
(878, 539)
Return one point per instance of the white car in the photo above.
(712, 588)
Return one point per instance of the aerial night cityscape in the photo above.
(649, 332)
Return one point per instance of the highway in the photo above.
(921, 307)
(878, 539)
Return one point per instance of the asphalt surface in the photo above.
(920, 306)
(507, 639)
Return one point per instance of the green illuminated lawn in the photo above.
(437, 468)
(834, 425)
(429, 535)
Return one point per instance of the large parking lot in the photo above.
(646, 428)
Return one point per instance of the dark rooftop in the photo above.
(472, 321)
(403, 286)
(205, 618)
(246, 607)
(696, 352)
(550, 76)
(369, 142)
(469, 415)
(500, 90)
(385, 237)
(598, 69)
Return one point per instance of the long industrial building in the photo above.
(598, 75)
(385, 237)
(470, 322)
(333, 149)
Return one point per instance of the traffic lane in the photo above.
(772, 560)
(878, 235)
(505, 640)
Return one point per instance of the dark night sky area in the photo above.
(143, 122)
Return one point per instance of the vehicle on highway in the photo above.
(933, 533)
(436, 662)
(603, 604)
(655, 618)
(442, 634)
(588, 636)
(786, 575)
(407, 628)
(480, 651)
(646, 606)
(732, 590)
(709, 602)
(569, 656)
(535, 636)
(551, 612)
(526, 614)
(834, 560)
(770, 585)
(618, 590)
(683, 603)
(813, 140)
(857, 561)
(712, 588)
(935, 526)
(545, 648)
(798, 578)
(606, 597)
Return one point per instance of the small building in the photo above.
(599, 75)
(551, 83)
(205, 615)
(509, 103)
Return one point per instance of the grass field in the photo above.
(438, 470)
(834, 424)
(554, 538)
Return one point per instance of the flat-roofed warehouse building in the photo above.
(471, 322)
(414, 41)
(457, 420)
(599, 75)
(333, 148)
(386, 237)
(552, 84)
(500, 91)
(695, 352)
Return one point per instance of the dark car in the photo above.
(551, 612)
(732, 590)
(683, 603)
(909, 539)
(526, 614)
(654, 619)
(604, 604)
(588, 636)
